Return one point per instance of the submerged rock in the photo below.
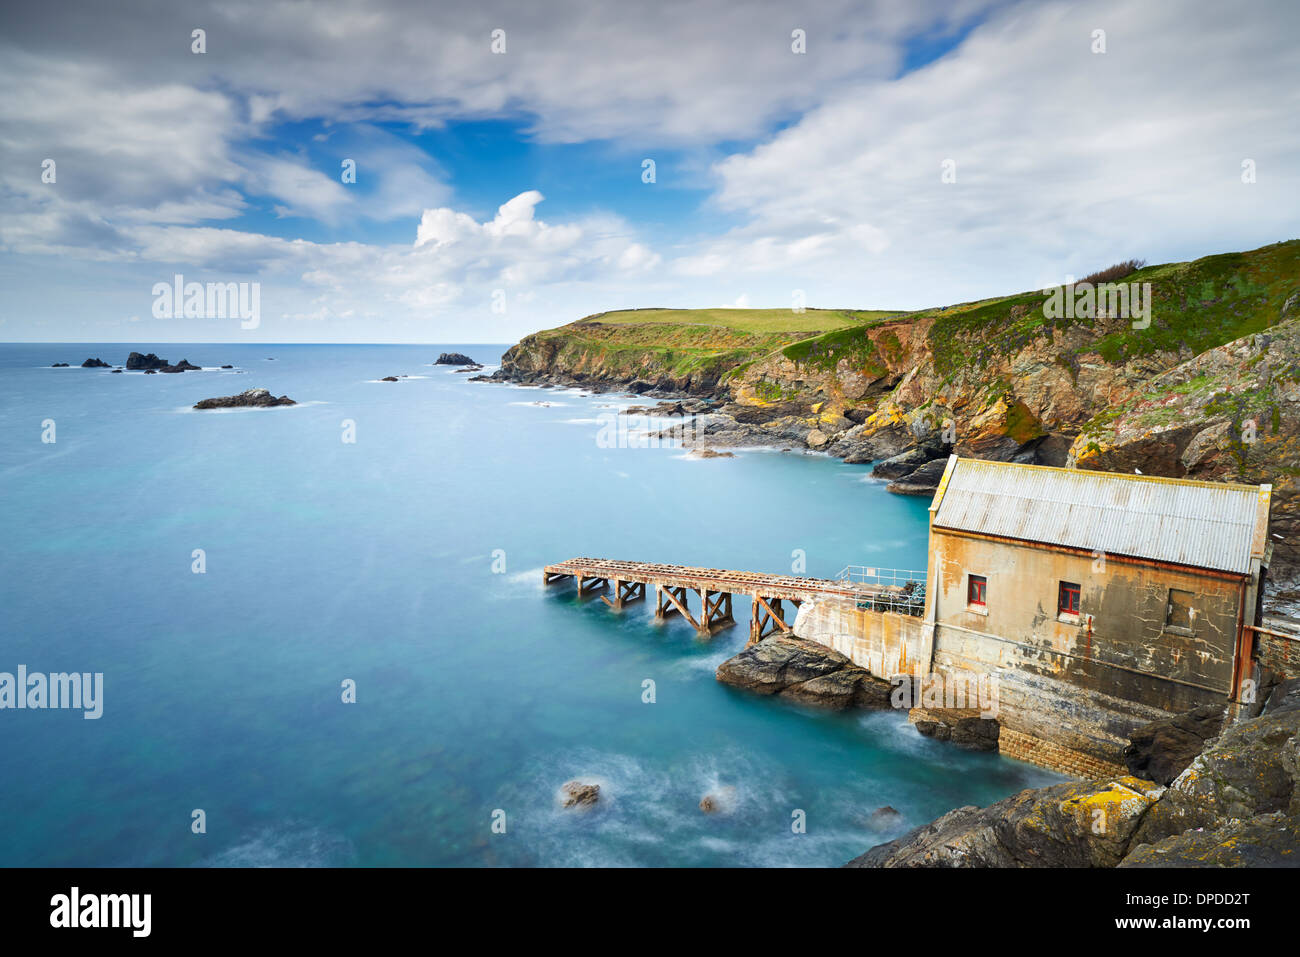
(256, 398)
(578, 794)
(454, 359)
(710, 454)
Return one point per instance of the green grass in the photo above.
(756, 321)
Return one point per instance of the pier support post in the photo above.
(767, 618)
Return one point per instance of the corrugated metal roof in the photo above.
(1207, 525)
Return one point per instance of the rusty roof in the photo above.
(1213, 525)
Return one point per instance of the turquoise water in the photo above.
(478, 689)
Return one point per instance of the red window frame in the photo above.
(977, 590)
(1067, 599)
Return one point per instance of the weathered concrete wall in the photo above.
(884, 643)
(1119, 646)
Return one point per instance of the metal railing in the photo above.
(899, 590)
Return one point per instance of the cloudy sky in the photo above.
(501, 192)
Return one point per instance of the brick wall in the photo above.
(1024, 747)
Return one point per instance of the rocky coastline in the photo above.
(1230, 799)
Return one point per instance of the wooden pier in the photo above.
(627, 581)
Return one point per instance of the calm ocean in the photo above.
(379, 561)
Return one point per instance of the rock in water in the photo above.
(95, 364)
(252, 398)
(1161, 750)
(454, 359)
(182, 366)
(806, 672)
(59, 365)
(389, 378)
(710, 454)
(136, 362)
(578, 794)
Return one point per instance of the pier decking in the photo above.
(715, 586)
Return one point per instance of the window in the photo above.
(977, 590)
(1067, 601)
(1180, 614)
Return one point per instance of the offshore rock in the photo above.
(136, 362)
(252, 398)
(95, 364)
(182, 366)
(578, 794)
(454, 359)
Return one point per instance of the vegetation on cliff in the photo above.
(1203, 379)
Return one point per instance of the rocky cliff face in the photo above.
(1205, 384)
(1237, 804)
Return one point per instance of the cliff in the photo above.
(1201, 380)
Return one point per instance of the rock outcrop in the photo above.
(1161, 750)
(95, 364)
(1065, 825)
(804, 671)
(1236, 805)
(182, 366)
(1202, 384)
(252, 398)
(137, 362)
(454, 359)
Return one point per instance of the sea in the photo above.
(325, 640)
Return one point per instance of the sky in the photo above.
(846, 154)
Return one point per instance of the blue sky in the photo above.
(501, 192)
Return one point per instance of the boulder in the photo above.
(923, 481)
(454, 359)
(803, 671)
(252, 398)
(968, 729)
(710, 454)
(905, 463)
(579, 794)
(1161, 750)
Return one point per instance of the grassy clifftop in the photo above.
(691, 350)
